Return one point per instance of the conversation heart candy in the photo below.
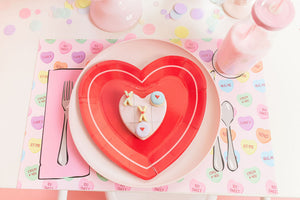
(31, 172)
(249, 146)
(263, 135)
(176, 41)
(191, 45)
(160, 189)
(43, 76)
(271, 187)
(47, 57)
(206, 55)
(244, 77)
(226, 85)
(102, 178)
(50, 41)
(68, 178)
(196, 186)
(40, 100)
(60, 65)
(34, 145)
(263, 111)
(245, 99)
(23, 155)
(37, 122)
(252, 174)
(213, 175)
(49, 185)
(223, 134)
(80, 41)
(78, 57)
(268, 158)
(258, 67)
(122, 187)
(246, 123)
(235, 187)
(65, 47)
(85, 184)
(259, 85)
(206, 39)
(112, 41)
(236, 153)
(96, 47)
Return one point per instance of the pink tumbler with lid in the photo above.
(249, 40)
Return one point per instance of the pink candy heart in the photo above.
(196, 186)
(122, 187)
(271, 187)
(262, 111)
(160, 189)
(50, 185)
(85, 184)
(96, 47)
(191, 45)
(65, 47)
(235, 187)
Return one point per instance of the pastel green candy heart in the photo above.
(50, 41)
(252, 174)
(102, 178)
(31, 172)
(112, 41)
(68, 178)
(180, 180)
(213, 175)
(245, 99)
(207, 39)
(81, 41)
(40, 100)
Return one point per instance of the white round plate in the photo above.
(141, 52)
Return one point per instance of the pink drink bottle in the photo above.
(249, 40)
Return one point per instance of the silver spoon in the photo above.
(218, 161)
(227, 117)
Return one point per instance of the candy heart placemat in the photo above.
(60, 60)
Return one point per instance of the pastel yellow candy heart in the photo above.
(43, 76)
(244, 78)
(249, 146)
(69, 6)
(34, 145)
(176, 41)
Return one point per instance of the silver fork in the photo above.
(63, 156)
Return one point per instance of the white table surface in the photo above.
(18, 54)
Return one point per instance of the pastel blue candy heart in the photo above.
(226, 85)
(260, 85)
(237, 154)
(268, 158)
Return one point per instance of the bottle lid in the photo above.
(273, 15)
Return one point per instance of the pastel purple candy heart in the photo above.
(246, 123)
(78, 57)
(47, 57)
(37, 122)
(206, 55)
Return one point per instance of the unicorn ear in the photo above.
(157, 98)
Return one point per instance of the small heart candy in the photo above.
(78, 57)
(85, 184)
(260, 85)
(47, 57)
(223, 134)
(40, 100)
(191, 45)
(206, 55)
(226, 85)
(34, 145)
(96, 47)
(196, 186)
(268, 158)
(258, 67)
(213, 175)
(65, 47)
(249, 146)
(49, 185)
(31, 172)
(37, 122)
(252, 174)
(244, 77)
(271, 187)
(60, 65)
(235, 187)
(263, 135)
(120, 187)
(245, 99)
(43, 76)
(160, 189)
(263, 111)
(246, 123)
